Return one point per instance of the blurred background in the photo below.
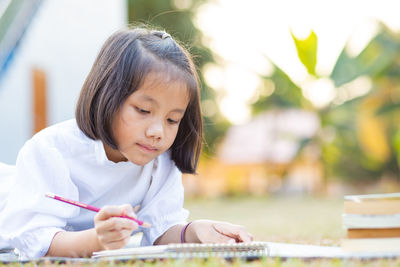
(301, 99)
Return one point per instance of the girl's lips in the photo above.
(147, 148)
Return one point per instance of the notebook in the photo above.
(246, 251)
(188, 250)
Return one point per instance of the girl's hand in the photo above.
(207, 231)
(114, 232)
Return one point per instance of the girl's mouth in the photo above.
(147, 148)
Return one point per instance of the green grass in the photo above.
(280, 219)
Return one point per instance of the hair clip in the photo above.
(165, 35)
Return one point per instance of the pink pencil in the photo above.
(92, 208)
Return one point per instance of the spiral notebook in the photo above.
(174, 251)
(251, 250)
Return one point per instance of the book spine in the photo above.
(379, 207)
(356, 221)
(373, 233)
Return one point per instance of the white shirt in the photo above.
(61, 159)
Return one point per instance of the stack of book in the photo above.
(372, 223)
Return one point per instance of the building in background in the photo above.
(262, 156)
(62, 40)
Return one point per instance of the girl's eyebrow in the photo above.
(150, 99)
(178, 110)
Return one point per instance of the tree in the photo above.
(360, 135)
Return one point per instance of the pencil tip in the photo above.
(48, 194)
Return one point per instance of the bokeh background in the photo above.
(300, 98)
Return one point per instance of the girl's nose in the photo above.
(155, 130)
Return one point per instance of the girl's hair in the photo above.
(122, 65)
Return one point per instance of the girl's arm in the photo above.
(110, 232)
(74, 244)
(206, 231)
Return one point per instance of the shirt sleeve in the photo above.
(29, 220)
(6, 179)
(162, 206)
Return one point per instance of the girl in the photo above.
(138, 127)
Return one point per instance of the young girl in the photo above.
(138, 127)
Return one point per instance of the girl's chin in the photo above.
(140, 161)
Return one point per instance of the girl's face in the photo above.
(148, 121)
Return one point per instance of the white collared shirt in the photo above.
(61, 159)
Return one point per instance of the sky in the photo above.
(243, 33)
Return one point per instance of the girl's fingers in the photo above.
(115, 211)
(109, 211)
(112, 230)
(114, 236)
(117, 224)
(221, 238)
(136, 208)
(117, 244)
(237, 232)
(128, 210)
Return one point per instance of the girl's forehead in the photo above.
(163, 81)
(156, 86)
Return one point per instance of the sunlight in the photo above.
(240, 83)
(321, 92)
(247, 34)
(359, 87)
(362, 35)
(239, 88)
(235, 110)
(214, 75)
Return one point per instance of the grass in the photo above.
(280, 219)
(305, 220)
(221, 262)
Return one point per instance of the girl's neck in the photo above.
(113, 154)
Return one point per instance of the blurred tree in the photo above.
(373, 119)
(360, 135)
(282, 92)
(175, 17)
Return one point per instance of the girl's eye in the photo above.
(171, 121)
(142, 111)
